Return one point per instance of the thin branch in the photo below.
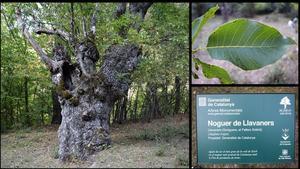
(8, 26)
(83, 22)
(64, 35)
(43, 56)
(72, 22)
(146, 6)
(93, 19)
(72, 25)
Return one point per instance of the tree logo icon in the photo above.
(285, 101)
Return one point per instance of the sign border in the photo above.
(293, 160)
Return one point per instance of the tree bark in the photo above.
(177, 95)
(28, 120)
(56, 109)
(151, 108)
(115, 112)
(156, 111)
(136, 104)
(124, 107)
(128, 108)
(165, 100)
(87, 101)
(118, 112)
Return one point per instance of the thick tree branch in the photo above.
(121, 9)
(140, 8)
(43, 56)
(9, 26)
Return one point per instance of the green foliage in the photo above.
(19, 61)
(263, 8)
(247, 44)
(55, 154)
(198, 23)
(209, 71)
(212, 71)
(164, 42)
(163, 37)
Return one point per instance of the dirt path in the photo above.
(161, 143)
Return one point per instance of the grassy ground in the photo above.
(161, 143)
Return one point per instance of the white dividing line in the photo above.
(222, 47)
(234, 34)
(251, 34)
(243, 33)
(268, 38)
(259, 36)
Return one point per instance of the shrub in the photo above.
(55, 152)
(161, 151)
(263, 8)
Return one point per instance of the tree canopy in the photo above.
(26, 84)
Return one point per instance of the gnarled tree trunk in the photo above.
(87, 101)
(86, 95)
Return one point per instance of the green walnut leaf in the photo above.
(198, 23)
(247, 44)
(212, 71)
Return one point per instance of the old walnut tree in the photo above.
(87, 95)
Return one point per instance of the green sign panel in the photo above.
(245, 128)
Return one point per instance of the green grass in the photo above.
(22, 144)
(38, 148)
(55, 152)
(145, 134)
(165, 133)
